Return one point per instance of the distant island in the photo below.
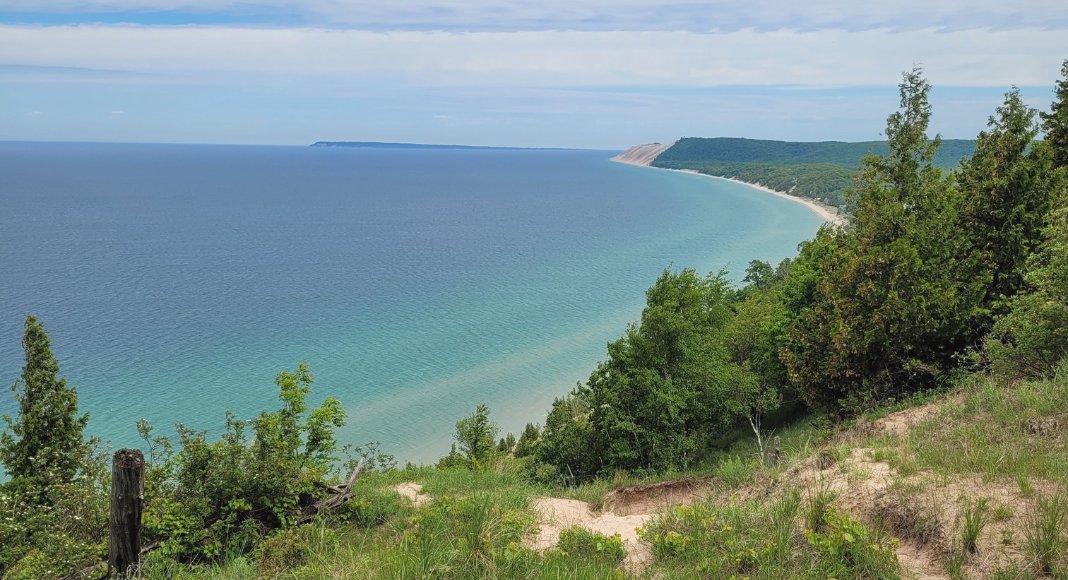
(379, 145)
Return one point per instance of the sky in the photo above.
(602, 74)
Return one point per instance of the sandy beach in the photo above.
(816, 208)
(643, 155)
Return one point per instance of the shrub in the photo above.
(577, 541)
(372, 510)
(847, 549)
(283, 550)
(818, 508)
(475, 436)
(198, 499)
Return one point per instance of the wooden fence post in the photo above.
(127, 501)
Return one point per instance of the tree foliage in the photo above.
(44, 443)
(475, 434)
(1055, 122)
(1006, 188)
(210, 496)
(893, 293)
(1033, 337)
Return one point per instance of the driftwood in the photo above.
(127, 501)
(339, 494)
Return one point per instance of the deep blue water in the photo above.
(177, 280)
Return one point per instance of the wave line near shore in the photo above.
(644, 155)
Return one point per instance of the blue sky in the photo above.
(578, 73)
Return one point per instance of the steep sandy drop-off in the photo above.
(643, 155)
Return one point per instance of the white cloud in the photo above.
(605, 15)
(32, 113)
(976, 57)
(117, 113)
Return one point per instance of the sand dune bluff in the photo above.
(642, 154)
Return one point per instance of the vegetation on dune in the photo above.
(914, 365)
(727, 150)
(820, 170)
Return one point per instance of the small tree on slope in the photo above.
(44, 442)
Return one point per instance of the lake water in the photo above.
(177, 280)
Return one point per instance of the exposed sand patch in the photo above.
(556, 515)
(655, 497)
(901, 422)
(413, 491)
(643, 155)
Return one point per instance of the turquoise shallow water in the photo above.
(176, 281)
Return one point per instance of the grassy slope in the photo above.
(957, 486)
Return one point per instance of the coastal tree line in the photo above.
(937, 274)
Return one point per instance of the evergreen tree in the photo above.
(1055, 122)
(1007, 188)
(44, 442)
(891, 297)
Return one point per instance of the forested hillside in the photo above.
(819, 170)
(730, 150)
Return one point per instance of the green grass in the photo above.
(474, 527)
(973, 520)
(1047, 534)
(766, 540)
(989, 434)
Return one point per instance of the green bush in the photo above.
(198, 499)
(973, 521)
(371, 510)
(282, 551)
(1032, 339)
(577, 541)
(846, 549)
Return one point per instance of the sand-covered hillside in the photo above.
(642, 154)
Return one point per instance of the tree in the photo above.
(44, 442)
(667, 385)
(1007, 188)
(569, 442)
(889, 304)
(1033, 338)
(751, 341)
(476, 435)
(1055, 122)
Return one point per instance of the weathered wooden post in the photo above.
(127, 501)
(773, 456)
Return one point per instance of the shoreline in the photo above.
(823, 212)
